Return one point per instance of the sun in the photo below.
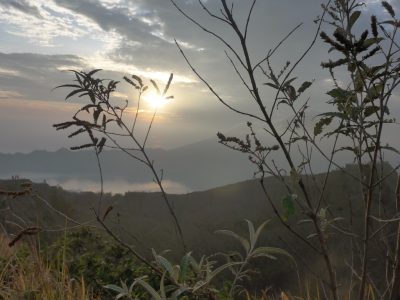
(155, 100)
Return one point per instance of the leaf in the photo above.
(155, 86)
(167, 266)
(168, 84)
(178, 292)
(138, 79)
(245, 243)
(162, 287)
(353, 18)
(82, 146)
(288, 206)
(321, 123)
(272, 85)
(115, 288)
(291, 93)
(131, 82)
(337, 93)
(79, 131)
(184, 267)
(96, 114)
(74, 93)
(388, 8)
(149, 289)
(288, 82)
(370, 110)
(101, 144)
(270, 252)
(374, 92)
(304, 86)
(67, 85)
(254, 234)
(220, 269)
(368, 42)
(93, 72)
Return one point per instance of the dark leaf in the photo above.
(370, 110)
(168, 84)
(74, 93)
(155, 86)
(388, 8)
(272, 85)
(101, 144)
(131, 82)
(321, 123)
(304, 86)
(79, 131)
(82, 146)
(353, 18)
(93, 72)
(138, 79)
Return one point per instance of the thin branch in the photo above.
(212, 90)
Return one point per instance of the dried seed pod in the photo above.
(374, 26)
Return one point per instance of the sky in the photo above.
(41, 39)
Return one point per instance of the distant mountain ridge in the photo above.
(198, 166)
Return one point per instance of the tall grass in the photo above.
(25, 274)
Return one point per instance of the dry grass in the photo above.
(24, 274)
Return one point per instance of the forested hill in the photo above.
(143, 220)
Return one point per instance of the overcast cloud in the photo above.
(40, 39)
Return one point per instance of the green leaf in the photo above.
(337, 93)
(270, 252)
(374, 92)
(371, 41)
(162, 286)
(259, 230)
(149, 289)
(288, 206)
(167, 266)
(115, 288)
(220, 269)
(184, 267)
(254, 234)
(353, 18)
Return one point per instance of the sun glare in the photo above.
(155, 100)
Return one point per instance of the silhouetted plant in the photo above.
(96, 117)
(361, 112)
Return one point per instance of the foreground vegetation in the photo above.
(349, 244)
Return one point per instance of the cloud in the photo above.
(33, 76)
(21, 5)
